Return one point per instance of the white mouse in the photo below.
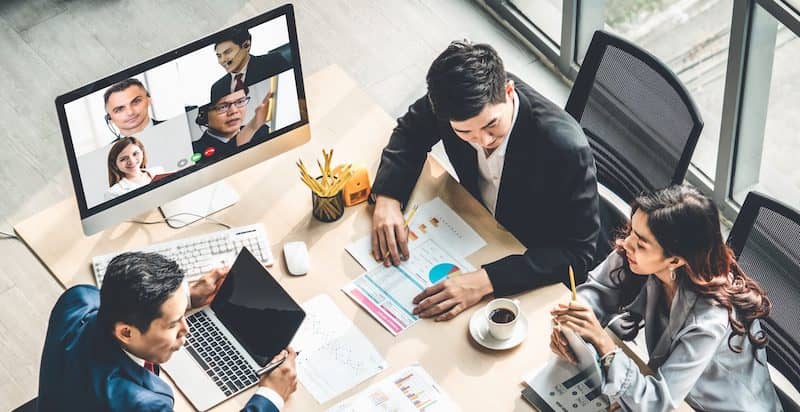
(296, 255)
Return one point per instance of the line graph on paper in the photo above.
(335, 354)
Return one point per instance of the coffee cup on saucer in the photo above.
(501, 317)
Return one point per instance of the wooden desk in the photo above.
(345, 118)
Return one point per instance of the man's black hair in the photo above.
(238, 35)
(464, 79)
(134, 288)
(121, 86)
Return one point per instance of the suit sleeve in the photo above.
(259, 404)
(402, 159)
(578, 223)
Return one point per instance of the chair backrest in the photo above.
(639, 119)
(766, 241)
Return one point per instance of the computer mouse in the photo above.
(296, 255)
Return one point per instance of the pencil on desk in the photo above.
(411, 214)
(572, 283)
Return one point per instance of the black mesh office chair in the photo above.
(641, 123)
(766, 241)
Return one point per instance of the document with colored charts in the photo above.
(387, 293)
(433, 220)
(409, 390)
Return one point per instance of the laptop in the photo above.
(251, 320)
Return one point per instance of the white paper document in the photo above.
(387, 293)
(433, 220)
(335, 354)
(561, 386)
(409, 390)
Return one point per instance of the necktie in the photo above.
(150, 366)
(239, 82)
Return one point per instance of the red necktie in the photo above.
(150, 366)
(239, 82)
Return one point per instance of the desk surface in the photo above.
(343, 117)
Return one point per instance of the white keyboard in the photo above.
(199, 254)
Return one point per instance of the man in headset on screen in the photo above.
(223, 120)
(128, 108)
(244, 70)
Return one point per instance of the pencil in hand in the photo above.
(572, 283)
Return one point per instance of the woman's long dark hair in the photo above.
(686, 224)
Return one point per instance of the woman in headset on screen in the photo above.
(701, 312)
(127, 167)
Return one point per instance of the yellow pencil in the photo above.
(572, 283)
(411, 214)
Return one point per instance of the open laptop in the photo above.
(249, 322)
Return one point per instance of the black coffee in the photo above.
(502, 315)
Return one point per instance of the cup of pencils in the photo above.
(326, 190)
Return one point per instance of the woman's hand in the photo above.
(580, 318)
(560, 346)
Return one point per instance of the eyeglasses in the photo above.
(224, 107)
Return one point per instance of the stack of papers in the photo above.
(409, 390)
(335, 355)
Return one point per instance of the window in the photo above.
(771, 167)
(545, 15)
(691, 38)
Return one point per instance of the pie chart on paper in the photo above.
(443, 270)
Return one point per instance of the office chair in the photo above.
(766, 241)
(642, 126)
(641, 122)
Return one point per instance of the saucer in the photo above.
(479, 329)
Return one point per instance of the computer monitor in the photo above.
(165, 132)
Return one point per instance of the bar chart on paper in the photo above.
(409, 390)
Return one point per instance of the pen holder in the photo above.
(327, 209)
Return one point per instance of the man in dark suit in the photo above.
(244, 69)
(523, 157)
(103, 347)
(225, 130)
(128, 108)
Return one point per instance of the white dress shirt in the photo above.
(491, 166)
(243, 72)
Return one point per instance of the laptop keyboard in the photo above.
(216, 355)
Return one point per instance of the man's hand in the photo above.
(203, 290)
(282, 379)
(262, 115)
(452, 296)
(579, 317)
(389, 232)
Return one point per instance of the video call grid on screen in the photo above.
(177, 87)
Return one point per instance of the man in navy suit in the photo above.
(244, 69)
(103, 347)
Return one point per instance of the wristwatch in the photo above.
(607, 360)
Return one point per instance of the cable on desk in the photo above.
(4, 235)
(168, 218)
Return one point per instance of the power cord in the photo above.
(4, 235)
(175, 216)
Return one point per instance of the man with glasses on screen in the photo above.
(128, 108)
(224, 122)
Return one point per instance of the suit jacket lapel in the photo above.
(681, 307)
(515, 156)
(143, 377)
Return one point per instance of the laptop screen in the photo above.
(256, 309)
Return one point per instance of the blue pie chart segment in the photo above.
(443, 270)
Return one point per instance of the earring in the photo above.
(672, 274)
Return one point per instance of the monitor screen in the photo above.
(184, 111)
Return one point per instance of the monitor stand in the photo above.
(197, 205)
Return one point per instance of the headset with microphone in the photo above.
(244, 46)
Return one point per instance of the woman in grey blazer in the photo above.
(701, 312)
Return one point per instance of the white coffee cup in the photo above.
(501, 316)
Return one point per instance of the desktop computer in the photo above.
(165, 132)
